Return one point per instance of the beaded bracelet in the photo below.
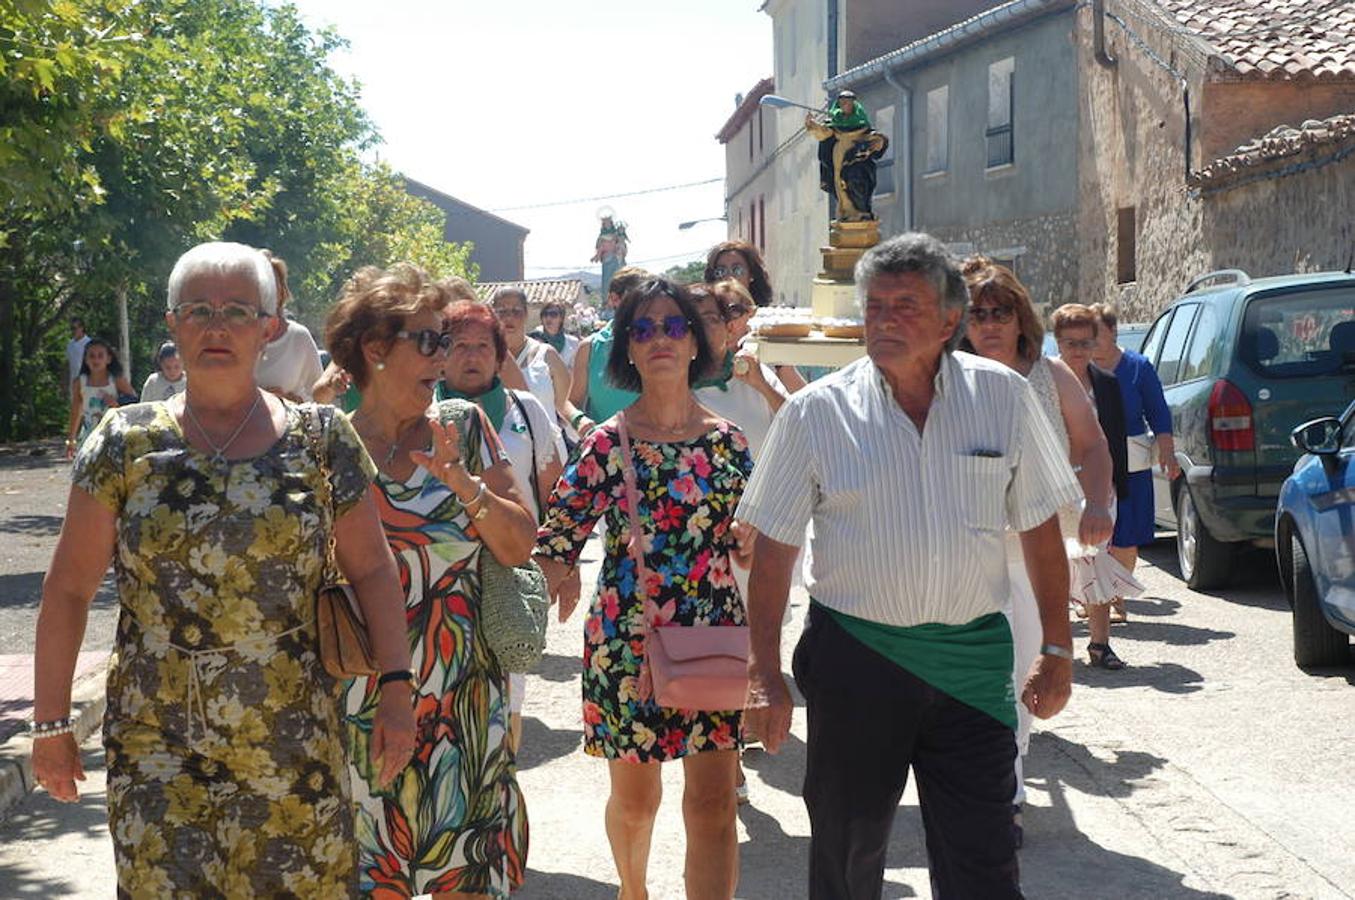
(52, 729)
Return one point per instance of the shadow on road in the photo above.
(43, 819)
(1060, 861)
(35, 526)
(1170, 678)
(558, 885)
(542, 744)
(25, 590)
(559, 668)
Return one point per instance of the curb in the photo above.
(88, 701)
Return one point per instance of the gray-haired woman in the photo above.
(226, 763)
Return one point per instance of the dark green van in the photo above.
(1242, 362)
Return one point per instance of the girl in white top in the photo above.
(169, 378)
(94, 391)
(542, 367)
(290, 364)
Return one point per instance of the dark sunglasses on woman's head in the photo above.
(999, 314)
(734, 310)
(735, 271)
(642, 331)
(428, 341)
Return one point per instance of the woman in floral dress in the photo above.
(226, 768)
(691, 467)
(454, 823)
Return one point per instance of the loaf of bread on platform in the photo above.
(782, 322)
(842, 328)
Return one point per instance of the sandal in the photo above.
(1100, 656)
(1118, 616)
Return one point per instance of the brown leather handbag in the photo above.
(345, 645)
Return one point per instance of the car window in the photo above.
(1204, 341)
(1348, 432)
(1155, 335)
(1300, 335)
(1174, 344)
(1130, 337)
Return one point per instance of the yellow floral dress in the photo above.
(227, 774)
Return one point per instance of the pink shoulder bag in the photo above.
(698, 667)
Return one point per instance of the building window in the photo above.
(762, 222)
(884, 166)
(1126, 268)
(750, 141)
(793, 45)
(761, 132)
(938, 129)
(1001, 99)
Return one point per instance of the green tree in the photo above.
(687, 273)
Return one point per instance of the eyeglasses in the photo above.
(427, 341)
(713, 317)
(735, 271)
(1083, 344)
(734, 310)
(551, 314)
(510, 312)
(232, 315)
(999, 314)
(642, 331)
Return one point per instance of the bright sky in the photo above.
(517, 102)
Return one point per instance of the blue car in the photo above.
(1315, 540)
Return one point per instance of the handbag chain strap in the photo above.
(636, 543)
(324, 494)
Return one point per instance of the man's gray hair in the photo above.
(925, 255)
(226, 258)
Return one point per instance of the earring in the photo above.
(631, 362)
(381, 367)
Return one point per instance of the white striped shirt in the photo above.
(907, 525)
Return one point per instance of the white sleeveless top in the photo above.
(94, 402)
(1041, 381)
(536, 370)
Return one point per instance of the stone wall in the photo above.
(1046, 261)
(1134, 152)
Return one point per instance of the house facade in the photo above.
(497, 243)
(1217, 135)
(983, 120)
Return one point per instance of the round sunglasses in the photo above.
(427, 341)
(644, 330)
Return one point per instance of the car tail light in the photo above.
(1230, 419)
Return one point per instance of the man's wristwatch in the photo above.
(1056, 650)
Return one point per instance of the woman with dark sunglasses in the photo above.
(445, 494)
(742, 262)
(690, 469)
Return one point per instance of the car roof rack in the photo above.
(1231, 276)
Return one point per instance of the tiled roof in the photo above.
(561, 290)
(1283, 149)
(1273, 39)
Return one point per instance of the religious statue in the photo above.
(611, 245)
(848, 149)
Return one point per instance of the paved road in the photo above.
(1211, 768)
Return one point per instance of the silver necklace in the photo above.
(219, 453)
(395, 445)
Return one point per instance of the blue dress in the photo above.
(1145, 408)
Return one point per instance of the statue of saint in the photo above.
(610, 248)
(848, 149)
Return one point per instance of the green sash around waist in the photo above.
(970, 662)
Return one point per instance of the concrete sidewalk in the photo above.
(16, 709)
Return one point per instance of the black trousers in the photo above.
(869, 720)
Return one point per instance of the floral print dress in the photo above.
(454, 819)
(688, 493)
(226, 767)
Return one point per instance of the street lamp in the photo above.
(685, 225)
(778, 102)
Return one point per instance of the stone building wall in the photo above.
(1046, 258)
(1134, 153)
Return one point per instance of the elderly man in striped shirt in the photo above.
(910, 464)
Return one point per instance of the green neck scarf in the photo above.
(858, 118)
(494, 401)
(720, 379)
(555, 340)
